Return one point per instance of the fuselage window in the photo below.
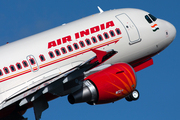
(112, 33)
(12, 68)
(51, 54)
(94, 40)
(76, 46)
(148, 19)
(100, 37)
(1, 73)
(152, 17)
(106, 35)
(42, 58)
(32, 61)
(63, 50)
(88, 42)
(118, 31)
(6, 70)
(69, 48)
(57, 52)
(18, 65)
(82, 44)
(25, 64)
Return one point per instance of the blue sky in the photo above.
(158, 85)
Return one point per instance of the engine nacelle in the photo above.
(105, 86)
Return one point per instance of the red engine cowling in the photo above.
(105, 86)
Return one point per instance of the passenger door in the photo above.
(130, 27)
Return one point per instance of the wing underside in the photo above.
(58, 85)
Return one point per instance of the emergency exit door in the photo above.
(33, 63)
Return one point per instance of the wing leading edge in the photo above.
(60, 85)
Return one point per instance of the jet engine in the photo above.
(108, 85)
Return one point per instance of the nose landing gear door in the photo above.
(33, 63)
(130, 27)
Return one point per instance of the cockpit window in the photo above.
(148, 19)
(152, 17)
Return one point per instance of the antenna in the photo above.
(100, 10)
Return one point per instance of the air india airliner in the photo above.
(92, 60)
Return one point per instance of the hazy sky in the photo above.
(158, 85)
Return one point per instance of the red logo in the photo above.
(81, 34)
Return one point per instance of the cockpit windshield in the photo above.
(150, 18)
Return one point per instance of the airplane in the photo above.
(92, 60)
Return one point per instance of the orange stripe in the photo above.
(58, 60)
(124, 91)
(15, 75)
(154, 25)
(133, 78)
(129, 81)
(127, 87)
(77, 53)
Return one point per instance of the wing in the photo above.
(57, 85)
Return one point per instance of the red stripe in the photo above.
(61, 59)
(15, 75)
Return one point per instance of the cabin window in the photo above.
(148, 19)
(69, 48)
(100, 37)
(76, 46)
(63, 50)
(51, 54)
(12, 68)
(94, 40)
(32, 61)
(6, 70)
(25, 64)
(57, 52)
(112, 33)
(82, 44)
(18, 65)
(118, 31)
(42, 58)
(88, 42)
(1, 73)
(106, 35)
(152, 17)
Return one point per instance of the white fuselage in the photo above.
(135, 41)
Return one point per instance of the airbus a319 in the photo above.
(93, 60)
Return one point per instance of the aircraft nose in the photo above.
(171, 32)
